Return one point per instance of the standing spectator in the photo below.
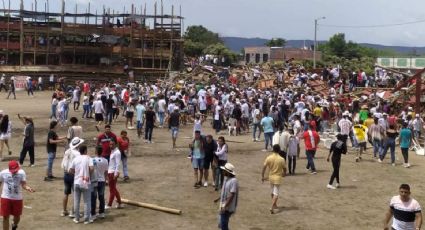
(54, 107)
(311, 141)
(173, 125)
(98, 112)
(256, 119)
(129, 114)
(11, 199)
(229, 196)
(210, 146)
(377, 134)
(162, 105)
(76, 95)
(113, 174)
(292, 152)
(197, 157)
(267, 123)
(405, 141)
(3, 82)
(417, 125)
(5, 134)
(28, 145)
(82, 167)
(140, 112)
(68, 178)
(109, 107)
(74, 130)
(52, 141)
(86, 107)
(360, 131)
(104, 139)
(124, 146)
(221, 154)
(277, 170)
(40, 83)
(405, 211)
(338, 147)
(101, 170)
(149, 124)
(217, 117)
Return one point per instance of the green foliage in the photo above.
(338, 46)
(199, 41)
(197, 38)
(278, 42)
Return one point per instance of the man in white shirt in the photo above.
(161, 110)
(245, 115)
(101, 173)
(13, 179)
(113, 174)
(68, 178)
(98, 112)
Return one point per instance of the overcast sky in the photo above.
(288, 19)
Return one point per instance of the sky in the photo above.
(287, 19)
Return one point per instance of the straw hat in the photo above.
(229, 168)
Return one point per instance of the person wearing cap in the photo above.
(81, 168)
(229, 196)
(13, 179)
(68, 178)
(277, 170)
(28, 143)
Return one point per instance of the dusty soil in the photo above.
(162, 176)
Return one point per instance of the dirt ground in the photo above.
(162, 176)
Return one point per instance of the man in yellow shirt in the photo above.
(277, 170)
(360, 133)
(369, 121)
(317, 111)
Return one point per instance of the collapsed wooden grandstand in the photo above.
(89, 44)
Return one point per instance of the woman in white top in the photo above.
(129, 114)
(5, 134)
(221, 158)
(54, 106)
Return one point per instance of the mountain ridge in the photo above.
(236, 44)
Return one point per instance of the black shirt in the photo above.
(338, 148)
(51, 147)
(150, 116)
(174, 119)
(109, 103)
(209, 149)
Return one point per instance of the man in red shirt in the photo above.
(311, 141)
(104, 139)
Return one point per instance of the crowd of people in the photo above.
(287, 115)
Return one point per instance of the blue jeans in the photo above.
(124, 165)
(256, 126)
(310, 159)
(50, 158)
(109, 116)
(161, 118)
(86, 110)
(268, 138)
(98, 192)
(78, 191)
(224, 220)
(53, 114)
(390, 144)
(377, 147)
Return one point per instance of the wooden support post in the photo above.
(48, 32)
(62, 33)
(21, 38)
(8, 35)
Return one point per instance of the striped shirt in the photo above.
(404, 213)
(345, 126)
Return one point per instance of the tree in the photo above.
(197, 38)
(278, 42)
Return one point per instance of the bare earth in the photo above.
(162, 176)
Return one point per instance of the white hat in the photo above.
(1, 112)
(76, 141)
(417, 115)
(229, 168)
(384, 114)
(346, 113)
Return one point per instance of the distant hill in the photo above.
(236, 44)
